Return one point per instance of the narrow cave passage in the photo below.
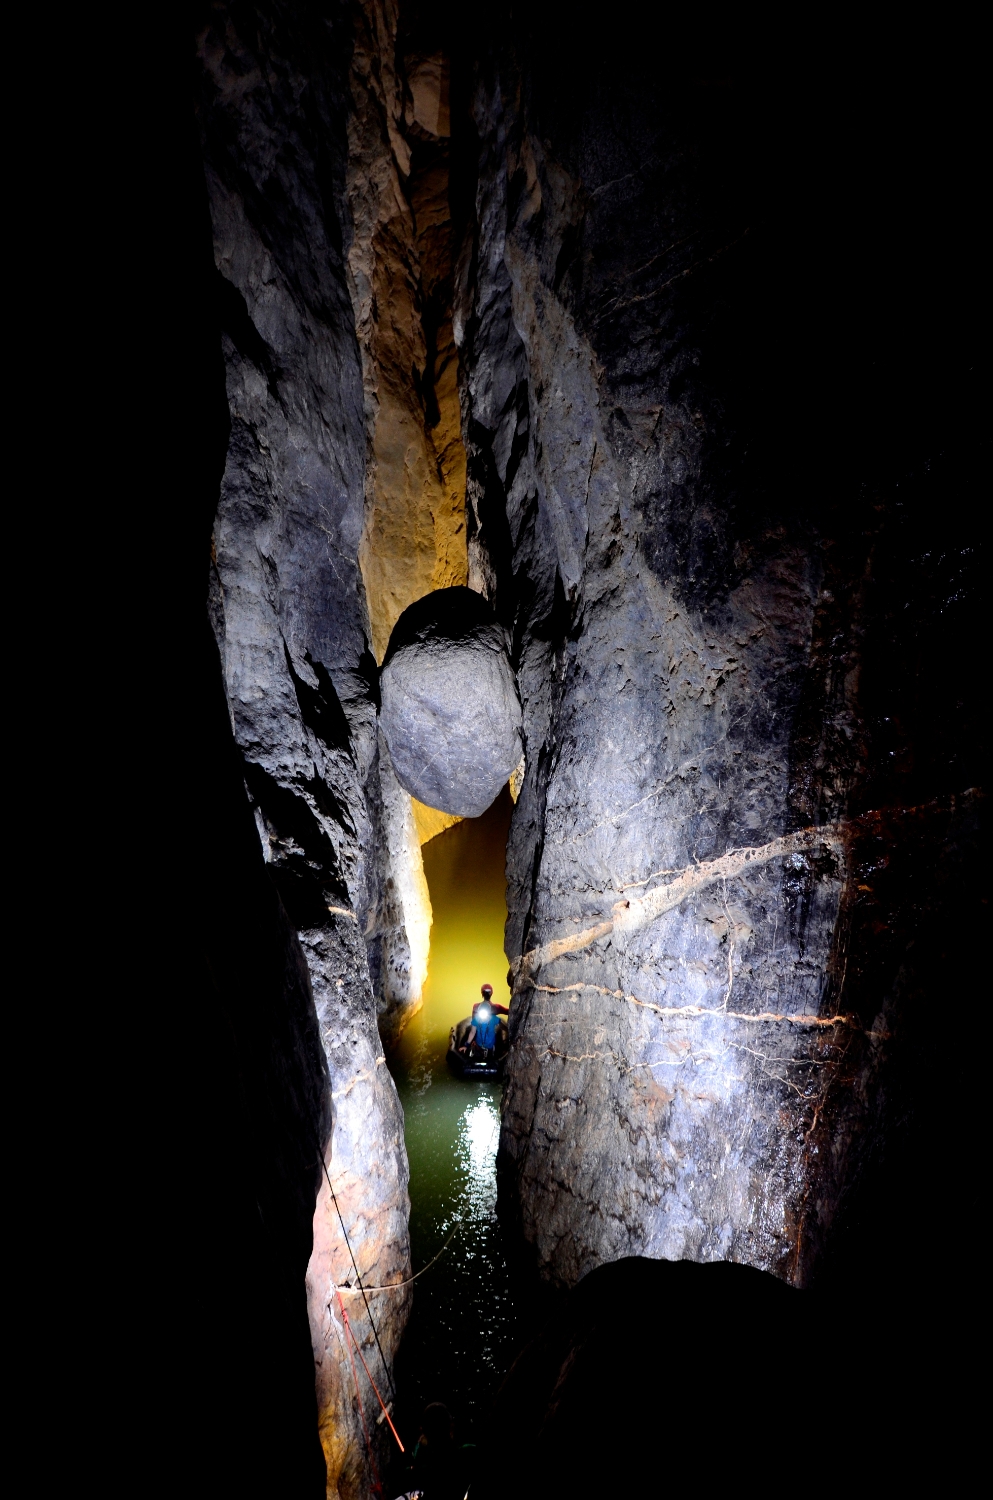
(551, 386)
(463, 1330)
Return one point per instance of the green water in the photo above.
(463, 1330)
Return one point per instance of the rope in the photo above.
(378, 1484)
(358, 1350)
(391, 1286)
(358, 1278)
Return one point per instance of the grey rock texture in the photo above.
(699, 1050)
(450, 712)
(291, 620)
(367, 1166)
(400, 275)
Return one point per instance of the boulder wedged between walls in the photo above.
(450, 712)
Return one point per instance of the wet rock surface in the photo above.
(450, 712)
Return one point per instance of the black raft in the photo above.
(477, 1063)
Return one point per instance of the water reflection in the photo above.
(478, 1136)
(463, 1328)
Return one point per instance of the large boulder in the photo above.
(450, 711)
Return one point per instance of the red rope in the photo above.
(378, 1485)
(358, 1349)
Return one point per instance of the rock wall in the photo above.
(627, 396)
(703, 1014)
(291, 616)
(324, 136)
(400, 266)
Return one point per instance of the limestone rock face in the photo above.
(450, 712)
(290, 615)
(707, 641)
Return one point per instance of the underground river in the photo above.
(464, 1327)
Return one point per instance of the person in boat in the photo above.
(482, 1033)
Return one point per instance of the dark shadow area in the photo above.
(248, 1107)
(657, 1375)
(208, 1099)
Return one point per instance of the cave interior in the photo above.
(578, 414)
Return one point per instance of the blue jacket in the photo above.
(486, 1031)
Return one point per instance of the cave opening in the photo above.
(465, 1323)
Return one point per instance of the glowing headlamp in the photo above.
(484, 1012)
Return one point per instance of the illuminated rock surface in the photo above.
(400, 276)
(450, 713)
(715, 641)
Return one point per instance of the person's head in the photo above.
(487, 992)
(436, 1423)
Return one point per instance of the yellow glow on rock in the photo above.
(431, 821)
(466, 874)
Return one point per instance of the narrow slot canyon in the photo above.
(587, 413)
(464, 1329)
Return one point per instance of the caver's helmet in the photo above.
(486, 991)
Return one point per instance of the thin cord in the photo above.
(378, 1483)
(358, 1350)
(393, 1284)
(358, 1278)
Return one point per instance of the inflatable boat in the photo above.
(482, 1064)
